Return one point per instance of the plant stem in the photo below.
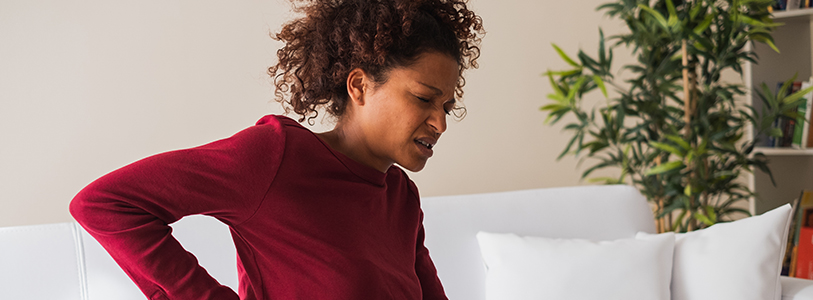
(687, 94)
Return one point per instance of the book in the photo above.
(804, 115)
(776, 141)
(780, 4)
(804, 254)
(790, 248)
(802, 250)
(805, 124)
(793, 4)
(789, 125)
(810, 134)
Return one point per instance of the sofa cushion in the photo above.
(796, 288)
(543, 268)
(588, 212)
(738, 260)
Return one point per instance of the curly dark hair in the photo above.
(336, 36)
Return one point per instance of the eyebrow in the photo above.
(434, 89)
(438, 92)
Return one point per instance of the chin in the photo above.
(414, 167)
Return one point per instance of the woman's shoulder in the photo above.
(269, 129)
(277, 121)
(398, 177)
(265, 141)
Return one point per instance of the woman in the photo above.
(313, 216)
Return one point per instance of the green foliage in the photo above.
(689, 170)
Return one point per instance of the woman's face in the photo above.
(403, 118)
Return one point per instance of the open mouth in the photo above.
(425, 144)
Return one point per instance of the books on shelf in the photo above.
(802, 130)
(793, 4)
(799, 254)
(796, 133)
(781, 5)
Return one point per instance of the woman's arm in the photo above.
(128, 210)
(425, 268)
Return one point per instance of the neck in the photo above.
(349, 140)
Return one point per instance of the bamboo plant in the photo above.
(671, 127)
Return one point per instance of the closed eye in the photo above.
(447, 107)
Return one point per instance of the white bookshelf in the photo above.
(792, 14)
(783, 151)
(792, 168)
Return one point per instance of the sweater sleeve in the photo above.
(128, 210)
(427, 274)
(431, 286)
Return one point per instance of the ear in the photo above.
(357, 82)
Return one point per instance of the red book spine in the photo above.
(804, 257)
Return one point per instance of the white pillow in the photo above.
(561, 269)
(740, 260)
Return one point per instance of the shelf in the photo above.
(783, 151)
(793, 15)
(791, 170)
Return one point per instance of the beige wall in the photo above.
(87, 86)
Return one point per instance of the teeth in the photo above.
(424, 143)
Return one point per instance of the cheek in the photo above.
(396, 113)
(396, 117)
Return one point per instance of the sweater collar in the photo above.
(366, 172)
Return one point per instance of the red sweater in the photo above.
(307, 221)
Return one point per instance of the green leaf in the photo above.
(798, 96)
(677, 203)
(673, 18)
(598, 166)
(711, 214)
(564, 56)
(555, 115)
(678, 220)
(679, 140)
(565, 73)
(605, 180)
(569, 145)
(554, 106)
(757, 23)
(667, 148)
(558, 98)
(571, 95)
(663, 168)
(658, 16)
(704, 25)
(702, 218)
(784, 89)
(764, 38)
(775, 132)
(589, 62)
(597, 79)
(602, 57)
(696, 10)
(556, 88)
(766, 96)
(729, 211)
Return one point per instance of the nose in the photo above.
(437, 120)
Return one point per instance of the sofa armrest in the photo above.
(796, 288)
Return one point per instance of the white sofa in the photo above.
(61, 261)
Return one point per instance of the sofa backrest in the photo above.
(62, 261)
(587, 212)
(42, 262)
